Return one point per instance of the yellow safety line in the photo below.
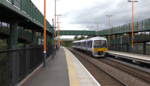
(72, 74)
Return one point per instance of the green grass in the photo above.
(66, 44)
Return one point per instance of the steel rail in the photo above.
(98, 67)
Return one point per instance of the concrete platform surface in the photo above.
(55, 73)
(63, 70)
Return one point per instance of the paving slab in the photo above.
(54, 74)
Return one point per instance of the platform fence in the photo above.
(16, 64)
(137, 48)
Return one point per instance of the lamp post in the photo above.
(55, 26)
(132, 18)
(97, 27)
(109, 28)
(90, 27)
(58, 36)
(58, 28)
(44, 62)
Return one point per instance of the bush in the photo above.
(67, 44)
(50, 41)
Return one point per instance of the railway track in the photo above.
(122, 75)
(131, 70)
(104, 78)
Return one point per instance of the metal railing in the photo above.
(137, 48)
(137, 39)
(139, 26)
(27, 60)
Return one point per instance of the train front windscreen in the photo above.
(100, 43)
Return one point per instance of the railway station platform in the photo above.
(131, 56)
(63, 70)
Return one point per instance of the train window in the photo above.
(79, 44)
(99, 43)
(89, 44)
(103, 43)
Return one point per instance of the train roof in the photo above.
(80, 40)
(93, 38)
(97, 38)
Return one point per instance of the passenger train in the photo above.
(96, 46)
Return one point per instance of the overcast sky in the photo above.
(79, 14)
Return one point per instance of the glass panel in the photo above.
(99, 43)
(89, 44)
(17, 3)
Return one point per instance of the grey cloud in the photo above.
(97, 11)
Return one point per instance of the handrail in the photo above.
(139, 26)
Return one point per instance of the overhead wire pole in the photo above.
(109, 27)
(90, 27)
(58, 29)
(97, 27)
(44, 62)
(132, 19)
(59, 34)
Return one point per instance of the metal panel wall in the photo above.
(76, 32)
(29, 8)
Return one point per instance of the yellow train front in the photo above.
(99, 46)
(99, 52)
